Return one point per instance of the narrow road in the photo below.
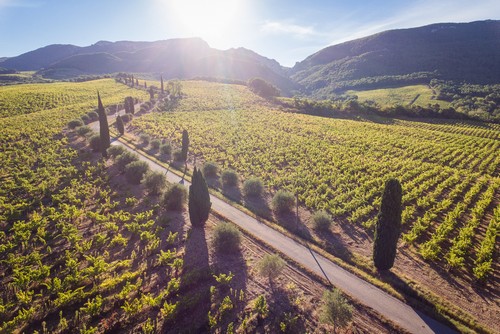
(366, 293)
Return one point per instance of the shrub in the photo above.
(144, 139)
(119, 125)
(271, 266)
(321, 221)
(229, 178)
(263, 88)
(115, 150)
(154, 182)
(185, 145)
(260, 307)
(126, 118)
(166, 149)
(178, 156)
(226, 238)
(210, 169)
(155, 144)
(253, 187)
(124, 159)
(174, 198)
(75, 123)
(283, 201)
(83, 130)
(135, 170)
(85, 119)
(93, 116)
(95, 143)
(335, 311)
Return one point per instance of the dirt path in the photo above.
(371, 296)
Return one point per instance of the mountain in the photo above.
(181, 58)
(463, 52)
(467, 52)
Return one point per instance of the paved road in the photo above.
(366, 293)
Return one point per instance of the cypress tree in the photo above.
(185, 145)
(151, 93)
(388, 227)
(119, 125)
(137, 82)
(145, 84)
(199, 199)
(162, 90)
(129, 105)
(103, 126)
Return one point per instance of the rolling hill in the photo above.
(462, 52)
(175, 58)
(467, 52)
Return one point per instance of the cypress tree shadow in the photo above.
(419, 304)
(194, 303)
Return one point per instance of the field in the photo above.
(420, 95)
(82, 250)
(61, 96)
(449, 173)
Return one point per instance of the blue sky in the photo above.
(287, 31)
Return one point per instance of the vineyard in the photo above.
(61, 96)
(79, 255)
(449, 170)
(81, 251)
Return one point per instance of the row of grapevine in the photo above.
(338, 165)
(463, 241)
(484, 257)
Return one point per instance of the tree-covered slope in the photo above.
(452, 51)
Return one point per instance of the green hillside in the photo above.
(420, 95)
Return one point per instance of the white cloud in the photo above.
(274, 27)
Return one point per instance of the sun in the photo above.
(208, 19)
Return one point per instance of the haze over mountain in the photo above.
(174, 58)
(467, 52)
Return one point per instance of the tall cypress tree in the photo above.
(161, 80)
(199, 199)
(388, 227)
(119, 125)
(103, 126)
(185, 145)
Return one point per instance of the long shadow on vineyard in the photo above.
(283, 301)
(234, 263)
(194, 304)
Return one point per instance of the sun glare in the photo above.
(210, 20)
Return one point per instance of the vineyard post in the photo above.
(297, 210)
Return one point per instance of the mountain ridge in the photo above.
(463, 52)
(451, 51)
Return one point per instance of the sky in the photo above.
(285, 30)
